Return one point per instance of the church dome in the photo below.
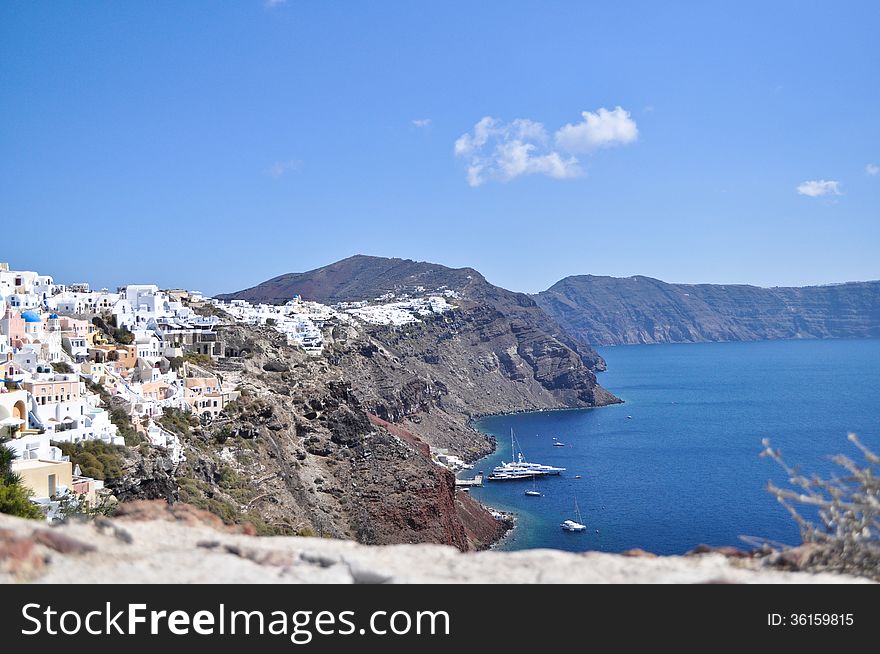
(31, 316)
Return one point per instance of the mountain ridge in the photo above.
(605, 310)
(365, 277)
(356, 278)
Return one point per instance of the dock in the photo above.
(476, 481)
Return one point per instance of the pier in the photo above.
(476, 481)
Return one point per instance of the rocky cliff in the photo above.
(365, 278)
(302, 453)
(496, 352)
(613, 311)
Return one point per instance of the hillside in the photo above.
(631, 310)
(302, 452)
(557, 360)
(341, 443)
(358, 278)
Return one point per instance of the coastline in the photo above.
(511, 517)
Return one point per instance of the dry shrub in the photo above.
(845, 537)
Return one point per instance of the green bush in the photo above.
(119, 417)
(123, 336)
(15, 500)
(96, 458)
(177, 421)
(197, 359)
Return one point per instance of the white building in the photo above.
(159, 437)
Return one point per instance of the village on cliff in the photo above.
(66, 350)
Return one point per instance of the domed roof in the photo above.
(54, 316)
(31, 316)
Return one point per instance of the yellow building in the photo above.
(44, 478)
(97, 371)
(126, 355)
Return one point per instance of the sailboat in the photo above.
(534, 492)
(571, 525)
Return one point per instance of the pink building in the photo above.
(12, 325)
(75, 327)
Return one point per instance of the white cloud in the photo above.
(422, 122)
(872, 169)
(818, 188)
(499, 151)
(603, 129)
(281, 168)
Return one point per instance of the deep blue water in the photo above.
(685, 469)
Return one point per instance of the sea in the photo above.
(678, 463)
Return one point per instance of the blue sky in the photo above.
(216, 144)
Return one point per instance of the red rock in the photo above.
(17, 555)
(143, 510)
(61, 543)
(726, 550)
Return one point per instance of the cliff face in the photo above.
(495, 337)
(300, 453)
(432, 378)
(613, 311)
(341, 444)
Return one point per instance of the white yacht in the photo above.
(526, 467)
(521, 469)
(509, 475)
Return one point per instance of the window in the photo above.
(52, 484)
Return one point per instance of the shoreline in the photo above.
(480, 416)
(511, 516)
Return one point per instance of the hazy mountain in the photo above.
(610, 310)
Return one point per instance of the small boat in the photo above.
(571, 525)
(629, 417)
(577, 476)
(558, 444)
(533, 491)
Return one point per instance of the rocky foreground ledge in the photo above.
(151, 542)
